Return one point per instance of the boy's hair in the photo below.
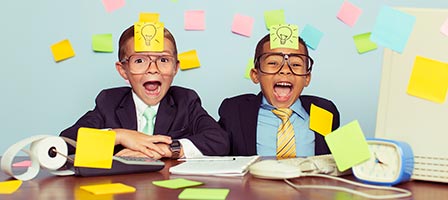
(266, 38)
(129, 33)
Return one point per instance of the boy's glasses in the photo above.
(272, 63)
(139, 64)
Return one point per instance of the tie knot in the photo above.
(283, 113)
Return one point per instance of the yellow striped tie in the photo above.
(286, 142)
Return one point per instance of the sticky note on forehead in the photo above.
(348, 146)
(94, 148)
(149, 17)
(321, 120)
(284, 36)
(148, 36)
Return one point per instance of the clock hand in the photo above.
(379, 161)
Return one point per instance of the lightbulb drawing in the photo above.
(148, 32)
(284, 33)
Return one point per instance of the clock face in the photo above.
(384, 164)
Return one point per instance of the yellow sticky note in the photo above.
(274, 17)
(176, 183)
(348, 146)
(249, 66)
(148, 36)
(111, 188)
(189, 60)
(9, 187)
(94, 148)
(321, 120)
(284, 36)
(149, 17)
(363, 43)
(204, 193)
(62, 50)
(102, 43)
(429, 79)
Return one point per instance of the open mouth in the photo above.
(283, 90)
(152, 87)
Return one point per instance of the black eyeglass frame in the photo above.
(126, 60)
(285, 59)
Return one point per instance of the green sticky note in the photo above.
(176, 183)
(348, 145)
(94, 148)
(249, 66)
(9, 187)
(204, 193)
(429, 79)
(274, 17)
(102, 43)
(284, 36)
(363, 43)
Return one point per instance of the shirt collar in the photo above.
(141, 106)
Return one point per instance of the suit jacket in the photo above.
(239, 116)
(180, 115)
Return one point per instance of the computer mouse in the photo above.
(273, 169)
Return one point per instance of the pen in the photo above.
(207, 159)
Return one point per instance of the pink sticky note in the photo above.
(112, 5)
(349, 13)
(194, 20)
(242, 25)
(444, 28)
(25, 163)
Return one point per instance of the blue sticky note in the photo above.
(311, 36)
(392, 28)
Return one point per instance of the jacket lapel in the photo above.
(126, 112)
(165, 115)
(249, 116)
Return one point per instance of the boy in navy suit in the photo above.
(252, 121)
(175, 123)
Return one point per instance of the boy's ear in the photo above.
(254, 75)
(307, 80)
(120, 68)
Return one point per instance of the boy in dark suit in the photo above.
(256, 123)
(152, 118)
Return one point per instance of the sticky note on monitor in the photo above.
(311, 36)
(109, 188)
(249, 67)
(429, 79)
(149, 17)
(204, 193)
(321, 120)
(284, 36)
(242, 25)
(274, 17)
(363, 43)
(9, 187)
(102, 43)
(94, 148)
(349, 13)
(112, 5)
(189, 60)
(176, 183)
(348, 146)
(194, 20)
(62, 50)
(148, 36)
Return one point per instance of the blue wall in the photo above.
(40, 96)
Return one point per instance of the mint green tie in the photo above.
(149, 115)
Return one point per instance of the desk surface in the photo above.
(47, 186)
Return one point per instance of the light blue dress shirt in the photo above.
(268, 124)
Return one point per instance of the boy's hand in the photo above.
(143, 143)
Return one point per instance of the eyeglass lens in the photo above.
(139, 64)
(272, 63)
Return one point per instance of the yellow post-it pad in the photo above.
(284, 36)
(62, 50)
(204, 193)
(348, 145)
(149, 17)
(189, 60)
(94, 148)
(321, 120)
(148, 36)
(9, 187)
(176, 183)
(109, 188)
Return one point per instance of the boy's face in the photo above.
(283, 88)
(152, 85)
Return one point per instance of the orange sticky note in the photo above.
(62, 50)
(429, 79)
(148, 36)
(242, 25)
(110, 188)
(149, 17)
(194, 20)
(321, 120)
(94, 148)
(9, 187)
(189, 60)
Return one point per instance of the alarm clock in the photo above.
(391, 162)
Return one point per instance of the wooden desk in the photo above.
(47, 186)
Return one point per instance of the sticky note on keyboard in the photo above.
(109, 188)
(348, 146)
(204, 193)
(94, 148)
(176, 183)
(9, 187)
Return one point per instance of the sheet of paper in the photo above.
(102, 43)
(321, 120)
(349, 13)
(249, 66)
(204, 193)
(112, 5)
(189, 60)
(194, 20)
(363, 43)
(348, 145)
(176, 183)
(94, 148)
(149, 17)
(392, 28)
(429, 79)
(444, 27)
(274, 17)
(311, 36)
(284, 36)
(110, 188)
(215, 166)
(148, 36)
(243, 25)
(9, 187)
(62, 50)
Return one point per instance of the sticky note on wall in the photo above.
(194, 20)
(242, 25)
(349, 13)
(112, 5)
(102, 43)
(189, 60)
(62, 50)
(274, 17)
(311, 36)
(94, 148)
(149, 17)
(363, 43)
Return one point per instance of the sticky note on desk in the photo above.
(109, 188)
(62, 50)
(204, 193)
(176, 183)
(9, 187)
(189, 60)
(321, 120)
(102, 43)
(348, 146)
(94, 148)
